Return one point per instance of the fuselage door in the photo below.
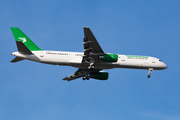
(123, 58)
(69, 55)
(153, 60)
(42, 54)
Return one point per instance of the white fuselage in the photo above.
(74, 59)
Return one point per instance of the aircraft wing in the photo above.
(91, 50)
(79, 73)
(91, 46)
(90, 42)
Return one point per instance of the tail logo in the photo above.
(22, 39)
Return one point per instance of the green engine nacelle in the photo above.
(108, 57)
(100, 75)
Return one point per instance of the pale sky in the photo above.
(34, 91)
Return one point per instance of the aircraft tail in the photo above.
(24, 44)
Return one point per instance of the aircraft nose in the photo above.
(165, 66)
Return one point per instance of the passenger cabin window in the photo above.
(78, 54)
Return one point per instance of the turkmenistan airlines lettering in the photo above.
(90, 63)
(137, 56)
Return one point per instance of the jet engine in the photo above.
(108, 57)
(100, 75)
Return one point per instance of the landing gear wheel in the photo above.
(87, 77)
(84, 78)
(149, 72)
(90, 68)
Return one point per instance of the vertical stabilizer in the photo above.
(21, 37)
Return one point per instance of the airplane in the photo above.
(90, 63)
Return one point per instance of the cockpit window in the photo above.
(160, 60)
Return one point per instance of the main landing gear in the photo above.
(90, 68)
(86, 78)
(149, 72)
(91, 65)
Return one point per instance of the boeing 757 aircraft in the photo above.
(90, 63)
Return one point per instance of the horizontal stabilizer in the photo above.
(17, 59)
(22, 48)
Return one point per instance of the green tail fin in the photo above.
(20, 36)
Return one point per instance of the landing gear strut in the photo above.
(149, 72)
(86, 77)
(91, 65)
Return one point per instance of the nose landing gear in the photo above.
(149, 72)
